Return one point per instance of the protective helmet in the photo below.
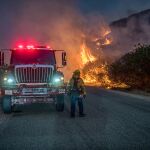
(76, 72)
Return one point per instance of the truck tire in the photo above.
(6, 104)
(60, 103)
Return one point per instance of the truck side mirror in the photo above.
(5, 55)
(64, 58)
(1, 58)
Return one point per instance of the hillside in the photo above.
(130, 31)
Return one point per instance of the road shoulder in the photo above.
(131, 95)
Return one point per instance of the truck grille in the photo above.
(33, 73)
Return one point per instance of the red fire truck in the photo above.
(31, 76)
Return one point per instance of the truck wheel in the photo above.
(60, 103)
(6, 104)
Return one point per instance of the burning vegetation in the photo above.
(86, 55)
(95, 67)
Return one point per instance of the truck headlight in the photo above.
(58, 79)
(8, 80)
(5, 79)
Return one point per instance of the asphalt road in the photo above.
(114, 121)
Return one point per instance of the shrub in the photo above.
(133, 68)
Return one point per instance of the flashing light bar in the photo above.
(20, 46)
(32, 46)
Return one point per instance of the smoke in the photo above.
(128, 32)
(57, 23)
(60, 24)
(125, 34)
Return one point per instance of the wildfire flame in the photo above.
(107, 42)
(86, 55)
(106, 32)
(97, 74)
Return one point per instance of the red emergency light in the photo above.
(30, 46)
(20, 46)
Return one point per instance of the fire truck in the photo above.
(29, 74)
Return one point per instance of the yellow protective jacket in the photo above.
(80, 85)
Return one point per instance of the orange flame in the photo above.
(97, 74)
(106, 32)
(107, 42)
(86, 55)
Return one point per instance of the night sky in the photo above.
(114, 9)
(110, 9)
(15, 12)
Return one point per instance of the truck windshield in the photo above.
(32, 57)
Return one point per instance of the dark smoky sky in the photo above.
(113, 9)
(17, 15)
(62, 24)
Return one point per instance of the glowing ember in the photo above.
(98, 76)
(107, 42)
(106, 32)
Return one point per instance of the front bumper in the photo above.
(33, 91)
(27, 95)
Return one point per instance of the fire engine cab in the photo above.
(31, 76)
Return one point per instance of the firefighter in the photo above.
(77, 93)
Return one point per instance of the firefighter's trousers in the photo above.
(75, 98)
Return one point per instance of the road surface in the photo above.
(114, 121)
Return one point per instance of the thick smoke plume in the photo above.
(60, 24)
